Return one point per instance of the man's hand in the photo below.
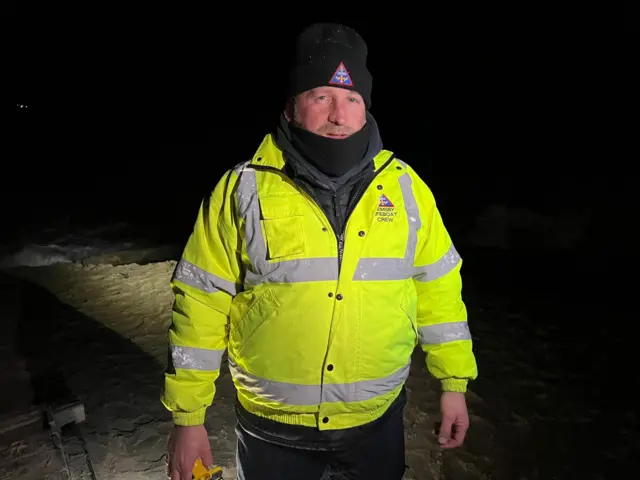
(186, 445)
(455, 419)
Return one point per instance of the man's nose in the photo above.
(338, 114)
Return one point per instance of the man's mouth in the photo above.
(337, 135)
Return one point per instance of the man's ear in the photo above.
(289, 109)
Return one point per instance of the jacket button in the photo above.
(339, 296)
(331, 294)
(324, 229)
(330, 367)
(325, 420)
(361, 233)
(379, 187)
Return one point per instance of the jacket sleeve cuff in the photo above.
(189, 419)
(454, 385)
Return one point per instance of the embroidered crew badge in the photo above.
(341, 77)
(386, 211)
(384, 201)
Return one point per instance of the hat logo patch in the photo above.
(341, 77)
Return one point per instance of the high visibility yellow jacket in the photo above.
(314, 337)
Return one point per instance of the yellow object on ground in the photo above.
(200, 472)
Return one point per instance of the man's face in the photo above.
(329, 111)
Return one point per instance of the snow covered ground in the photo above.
(89, 319)
(493, 227)
(91, 244)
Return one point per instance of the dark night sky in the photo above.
(128, 109)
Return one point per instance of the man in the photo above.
(318, 265)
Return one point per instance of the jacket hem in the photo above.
(337, 421)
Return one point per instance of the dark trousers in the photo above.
(379, 456)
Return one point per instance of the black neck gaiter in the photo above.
(333, 157)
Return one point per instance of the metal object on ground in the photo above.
(70, 415)
(65, 427)
(56, 434)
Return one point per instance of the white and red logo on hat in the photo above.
(341, 77)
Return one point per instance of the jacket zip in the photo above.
(340, 250)
(354, 201)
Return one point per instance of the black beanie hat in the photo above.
(333, 55)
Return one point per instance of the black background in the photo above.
(140, 110)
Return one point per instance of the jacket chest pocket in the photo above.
(284, 236)
(283, 226)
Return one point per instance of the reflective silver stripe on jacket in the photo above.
(197, 277)
(443, 333)
(193, 358)
(439, 268)
(297, 394)
(395, 268)
(326, 268)
(260, 270)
